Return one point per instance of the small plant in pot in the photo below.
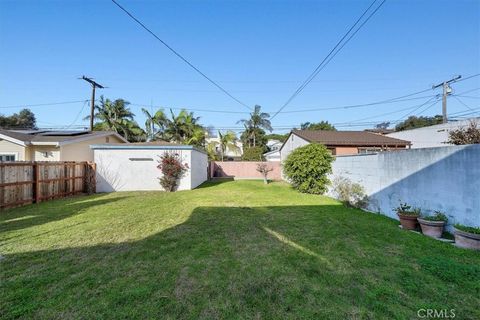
(433, 225)
(408, 216)
(467, 237)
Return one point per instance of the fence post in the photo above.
(36, 182)
(90, 177)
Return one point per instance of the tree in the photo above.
(418, 122)
(258, 120)
(172, 170)
(25, 119)
(154, 123)
(264, 170)
(382, 125)
(307, 168)
(277, 136)
(116, 116)
(251, 137)
(184, 128)
(322, 125)
(227, 141)
(468, 135)
(253, 154)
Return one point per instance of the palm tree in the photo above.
(227, 141)
(158, 119)
(116, 116)
(184, 128)
(258, 120)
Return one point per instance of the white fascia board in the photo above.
(12, 140)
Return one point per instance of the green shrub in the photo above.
(438, 216)
(406, 210)
(350, 193)
(468, 229)
(307, 168)
(253, 154)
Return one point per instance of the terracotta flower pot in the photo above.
(467, 240)
(430, 228)
(408, 222)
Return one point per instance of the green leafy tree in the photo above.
(418, 122)
(322, 125)
(468, 135)
(116, 116)
(255, 125)
(184, 128)
(253, 154)
(227, 140)
(154, 123)
(277, 136)
(307, 168)
(25, 119)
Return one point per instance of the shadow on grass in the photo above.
(48, 211)
(214, 182)
(247, 262)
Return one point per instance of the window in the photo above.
(7, 157)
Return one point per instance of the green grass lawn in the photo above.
(233, 250)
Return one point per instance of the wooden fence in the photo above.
(32, 182)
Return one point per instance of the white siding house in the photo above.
(133, 167)
(432, 136)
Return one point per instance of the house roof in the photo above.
(44, 137)
(349, 138)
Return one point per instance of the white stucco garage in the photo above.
(133, 167)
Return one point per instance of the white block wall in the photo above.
(444, 178)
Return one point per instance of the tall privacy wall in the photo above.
(443, 178)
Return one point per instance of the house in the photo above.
(231, 154)
(274, 144)
(342, 142)
(133, 166)
(43, 145)
(273, 155)
(432, 136)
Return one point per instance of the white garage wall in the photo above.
(199, 168)
(135, 169)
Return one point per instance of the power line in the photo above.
(324, 61)
(411, 112)
(180, 56)
(470, 77)
(463, 103)
(43, 104)
(78, 115)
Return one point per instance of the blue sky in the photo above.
(260, 51)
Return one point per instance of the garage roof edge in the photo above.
(145, 147)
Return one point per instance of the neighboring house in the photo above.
(133, 166)
(230, 154)
(42, 145)
(273, 155)
(274, 144)
(432, 136)
(342, 142)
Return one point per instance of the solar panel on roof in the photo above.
(64, 133)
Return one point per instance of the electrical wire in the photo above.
(180, 56)
(324, 61)
(43, 104)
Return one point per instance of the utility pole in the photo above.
(446, 91)
(92, 103)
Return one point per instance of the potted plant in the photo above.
(433, 225)
(408, 216)
(467, 237)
